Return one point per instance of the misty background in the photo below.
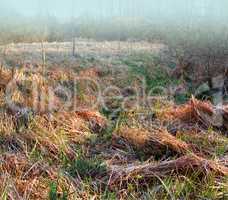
(52, 20)
(65, 9)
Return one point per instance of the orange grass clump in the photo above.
(93, 117)
(92, 72)
(60, 74)
(192, 110)
(199, 111)
(5, 78)
(157, 141)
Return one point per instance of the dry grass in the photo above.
(92, 72)
(183, 165)
(202, 112)
(54, 142)
(7, 125)
(55, 134)
(155, 142)
(5, 77)
(21, 178)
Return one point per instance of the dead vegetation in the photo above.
(81, 154)
(156, 142)
(6, 77)
(181, 166)
(202, 112)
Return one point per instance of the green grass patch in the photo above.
(86, 167)
(54, 194)
(148, 66)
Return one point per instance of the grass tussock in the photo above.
(155, 142)
(202, 112)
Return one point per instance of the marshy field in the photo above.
(106, 123)
(106, 100)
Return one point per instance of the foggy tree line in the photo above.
(111, 20)
(209, 9)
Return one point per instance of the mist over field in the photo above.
(169, 10)
(169, 21)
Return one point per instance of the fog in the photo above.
(28, 20)
(150, 9)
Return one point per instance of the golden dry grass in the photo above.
(184, 165)
(23, 179)
(36, 155)
(153, 141)
(192, 111)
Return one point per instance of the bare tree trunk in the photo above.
(5, 51)
(43, 57)
(1, 69)
(74, 47)
(13, 72)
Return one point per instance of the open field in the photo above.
(105, 124)
(58, 52)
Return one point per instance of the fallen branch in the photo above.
(183, 165)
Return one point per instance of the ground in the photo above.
(109, 123)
